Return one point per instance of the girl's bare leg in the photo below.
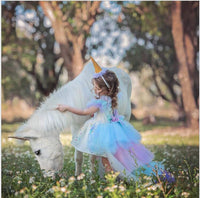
(106, 164)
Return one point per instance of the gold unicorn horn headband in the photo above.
(99, 72)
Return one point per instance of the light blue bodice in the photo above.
(105, 109)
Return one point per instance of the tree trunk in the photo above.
(50, 8)
(184, 76)
(190, 21)
(72, 45)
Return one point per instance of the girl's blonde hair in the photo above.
(113, 82)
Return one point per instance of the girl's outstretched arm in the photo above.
(88, 111)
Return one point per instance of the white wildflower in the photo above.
(31, 180)
(16, 193)
(109, 189)
(185, 194)
(62, 182)
(63, 189)
(114, 186)
(68, 191)
(122, 188)
(56, 188)
(138, 190)
(34, 187)
(92, 181)
(150, 194)
(22, 191)
(147, 184)
(50, 191)
(81, 176)
(148, 178)
(71, 179)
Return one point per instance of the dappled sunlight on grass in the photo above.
(160, 123)
(10, 127)
(160, 139)
(147, 139)
(66, 139)
(171, 136)
(157, 134)
(10, 142)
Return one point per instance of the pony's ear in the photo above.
(23, 138)
(25, 133)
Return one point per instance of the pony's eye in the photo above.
(37, 152)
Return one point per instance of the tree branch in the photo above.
(158, 88)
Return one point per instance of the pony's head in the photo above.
(48, 151)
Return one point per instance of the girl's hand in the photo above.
(88, 111)
(61, 108)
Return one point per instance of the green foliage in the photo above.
(29, 46)
(15, 82)
(17, 54)
(29, 68)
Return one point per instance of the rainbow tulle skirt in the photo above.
(120, 142)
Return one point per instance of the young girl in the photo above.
(107, 134)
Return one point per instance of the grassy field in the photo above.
(175, 146)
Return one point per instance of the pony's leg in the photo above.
(96, 160)
(93, 159)
(101, 169)
(78, 159)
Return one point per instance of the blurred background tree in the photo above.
(153, 49)
(15, 82)
(31, 67)
(185, 35)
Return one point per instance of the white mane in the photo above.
(47, 121)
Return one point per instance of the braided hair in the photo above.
(113, 82)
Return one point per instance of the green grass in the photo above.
(10, 127)
(160, 123)
(22, 177)
(161, 139)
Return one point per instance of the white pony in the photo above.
(44, 126)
